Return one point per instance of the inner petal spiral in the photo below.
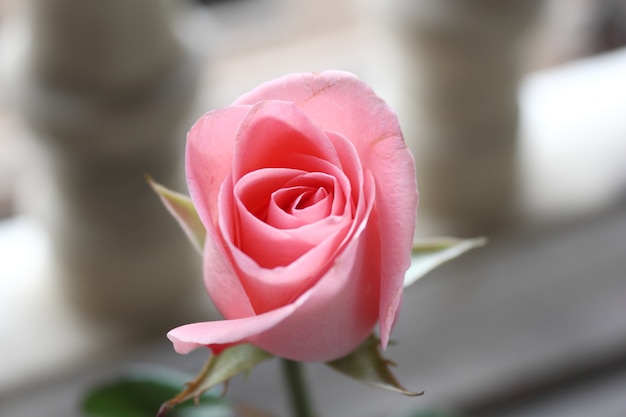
(297, 206)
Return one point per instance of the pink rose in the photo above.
(308, 195)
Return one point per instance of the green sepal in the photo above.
(183, 210)
(218, 369)
(366, 364)
(140, 393)
(430, 253)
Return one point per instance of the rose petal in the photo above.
(209, 154)
(221, 278)
(271, 133)
(225, 332)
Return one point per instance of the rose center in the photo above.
(307, 199)
(298, 205)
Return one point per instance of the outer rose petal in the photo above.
(225, 332)
(221, 278)
(338, 101)
(209, 155)
(332, 312)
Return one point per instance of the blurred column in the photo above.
(459, 76)
(106, 87)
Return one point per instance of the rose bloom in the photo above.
(308, 195)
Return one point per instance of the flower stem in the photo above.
(297, 389)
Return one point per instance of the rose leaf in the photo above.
(218, 369)
(366, 364)
(181, 207)
(140, 393)
(428, 254)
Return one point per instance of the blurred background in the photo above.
(514, 110)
